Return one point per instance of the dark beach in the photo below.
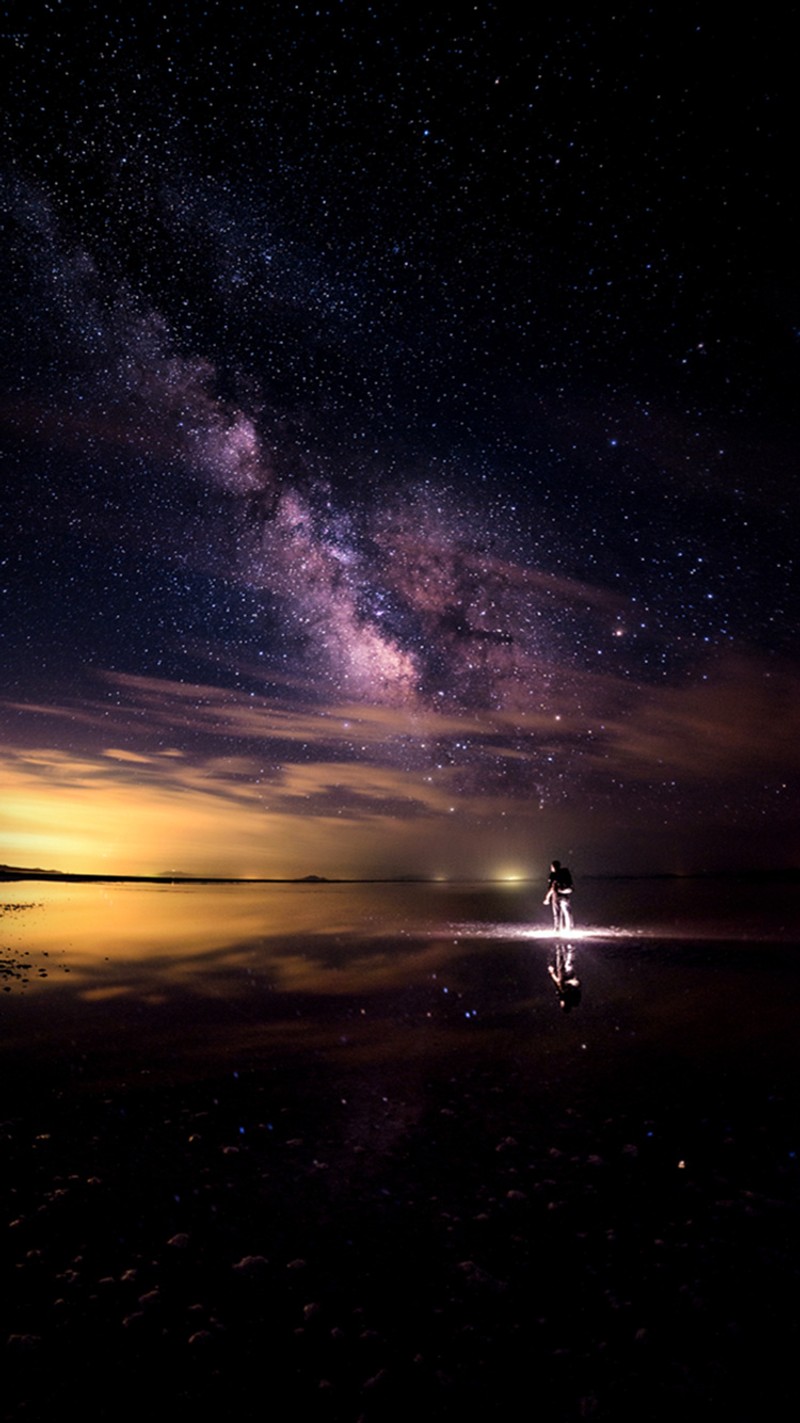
(371, 1169)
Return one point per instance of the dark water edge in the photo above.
(389, 1176)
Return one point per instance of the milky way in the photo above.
(424, 383)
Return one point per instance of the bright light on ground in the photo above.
(524, 931)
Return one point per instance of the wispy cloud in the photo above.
(261, 787)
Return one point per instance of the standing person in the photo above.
(559, 892)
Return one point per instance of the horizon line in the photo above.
(11, 873)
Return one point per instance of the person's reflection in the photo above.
(565, 979)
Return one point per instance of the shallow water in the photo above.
(195, 975)
(140, 917)
(345, 1137)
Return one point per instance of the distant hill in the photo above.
(18, 872)
(15, 872)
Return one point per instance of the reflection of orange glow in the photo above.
(140, 939)
(144, 921)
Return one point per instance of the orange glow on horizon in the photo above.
(282, 789)
(134, 814)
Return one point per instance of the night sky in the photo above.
(399, 431)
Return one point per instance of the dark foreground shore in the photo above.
(378, 1207)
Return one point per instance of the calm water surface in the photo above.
(190, 974)
(194, 1079)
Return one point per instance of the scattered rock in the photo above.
(251, 1265)
(24, 1343)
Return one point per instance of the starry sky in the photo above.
(399, 439)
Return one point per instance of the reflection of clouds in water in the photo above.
(226, 941)
(184, 979)
(258, 946)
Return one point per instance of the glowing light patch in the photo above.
(526, 931)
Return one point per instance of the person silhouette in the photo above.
(565, 977)
(559, 894)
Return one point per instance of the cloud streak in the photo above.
(256, 787)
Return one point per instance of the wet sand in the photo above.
(435, 1195)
